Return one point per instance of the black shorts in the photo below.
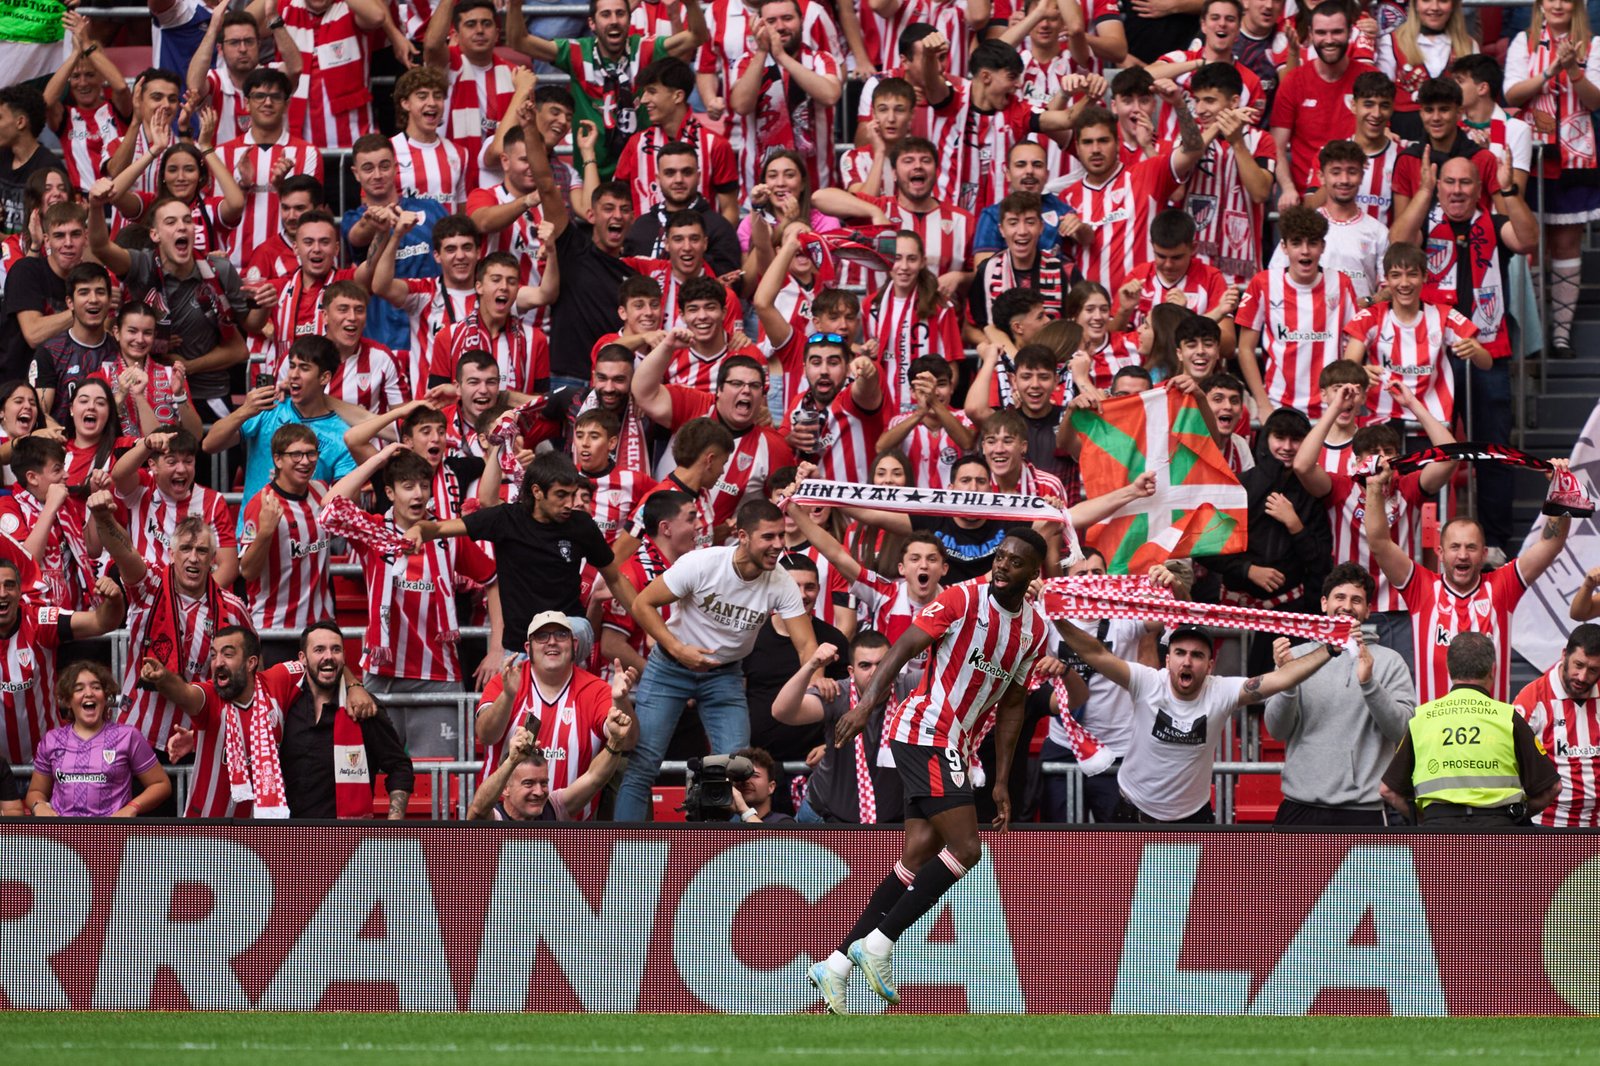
(934, 779)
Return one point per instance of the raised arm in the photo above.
(694, 33)
(1095, 654)
(529, 44)
(649, 377)
(114, 538)
(1258, 689)
(1102, 507)
(1308, 459)
(912, 643)
(1395, 563)
(550, 199)
(793, 705)
(1537, 557)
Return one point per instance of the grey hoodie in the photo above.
(1338, 734)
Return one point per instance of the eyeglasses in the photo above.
(743, 386)
(830, 338)
(550, 636)
(299, 457)
(262, 98)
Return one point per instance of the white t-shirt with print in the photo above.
(720, 611)
(1166, 772)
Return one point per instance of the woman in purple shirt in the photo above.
(87, 768)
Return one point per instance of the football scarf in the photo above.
(1566, 496)
(1126, 596)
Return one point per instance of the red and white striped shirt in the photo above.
(261, 221)
(210, 795)
(946, 234)
(520, 239)
(881, 34)
(570, 727)
(409, 586)
(1167, 119)
(671, 314)
(719, 168)
(1413, 353)
(1338, 458)
(436, 171)
(757, 452)
(298, 312)
(847, 441)
(1302, 331)
(1119, 211)
(86, 134)
(432, 306)
(1439, 612)
(1228, 224)
(787, 118)
(931, 452)
(153, 516)
(521, 352)
(478, 100)
(973, 145)
(688, 367)
(1347, 511)
(856, 164)
(27, 680)
(888, 604)
(903, 337)
(143, 709)
(980, 651)
(1376, 196)
(233, 114)
(292, 590)
(652, 18)
(1202, 286)
(732, 24)
(1119, 350)
(333, 101)
(371, 379)
(617, 495)
(1569, 729)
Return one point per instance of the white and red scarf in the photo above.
(1129, 596)
(1573, 128)
(254, 776)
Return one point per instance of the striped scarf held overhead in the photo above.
(1127, 596)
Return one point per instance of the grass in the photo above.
(45, 1038)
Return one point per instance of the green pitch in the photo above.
(42, 1039)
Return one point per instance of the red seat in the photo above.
(131, 60)
(1256, 798)
(420, 805)
(664, 803)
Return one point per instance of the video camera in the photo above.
(709, 795)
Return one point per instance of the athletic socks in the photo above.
(935, 878)
(1564, 278)
(889, 892)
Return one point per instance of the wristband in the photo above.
(276, 24)
(616, 751)
(750, 816)
(93, 47)
(1334, 650)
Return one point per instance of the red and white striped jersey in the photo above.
(436, 171)
(757, 452)
(848, 438)
(478, 100)
(652, 18)
(946, 232)
(293, 590)
(617, 494)
(570, 727)
(1338, 458)
(298, 312)
(980, 650)
(371, 379)
(521, 352)
(153, 516)
(1439, 612)
(520, 239)
(273, 258)
(86, 134)
(719, 168)
(856, 164)
(973, 145)
(787, 118)
(1302, 331)
(64, 564)
(931, 452)
(432, 306)
(27, 680)
(1041, 80)
(1569, 729)
(1376, 196)
(1355, 248)
(143, 709)
(1228, 224)
(261, 222)
(881, 34)
(688, 367)
(407, 596)
(332, 104)
(1119, 350)
(1035, 482)
(227, 99)
(1347, 511)
(1202, 286)
(888, 605)
(209, 793)
(1119, 210)
(671, 314)
(145, 182)
(904, 336)
(1167, 119)
(732, 25)
(1413, 353)
(211, 233)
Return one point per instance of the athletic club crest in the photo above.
(1204, 209)
(744, 462)
(1487, 303)
(1440, 254)
(109, 755)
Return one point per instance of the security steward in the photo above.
(1470, 761)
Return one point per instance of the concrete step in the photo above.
(1561, 407)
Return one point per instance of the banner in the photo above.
(121, 915)
(32, 41)
(1540, 627)
(1198, 507)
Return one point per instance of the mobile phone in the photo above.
(80, 491)
(264, 379)
(1430, 526)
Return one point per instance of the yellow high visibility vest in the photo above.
(1465, 752)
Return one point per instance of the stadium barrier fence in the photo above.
(177, 916)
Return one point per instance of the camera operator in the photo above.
(752, 797)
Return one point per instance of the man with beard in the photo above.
(1026, 171)
(840, 426)
(782, 94)
(678, 185)
(1309, 109)
(1562, 707)
(268, 742)
(722, 598)
(946, 229)
(1340, 725)
(1178, 715)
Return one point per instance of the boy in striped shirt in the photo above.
(427, 165)
(263, 156)
(285, 558)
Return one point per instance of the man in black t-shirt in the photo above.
(36, 290)
(774, 660)
(591, 270)
(22, 114)
(541, 543)
(66, 360)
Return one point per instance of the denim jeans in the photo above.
(658, 704)
(807, 815)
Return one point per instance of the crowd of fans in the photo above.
(559, 370)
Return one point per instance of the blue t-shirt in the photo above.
(334, 460)
(988, 238)
(386, 323)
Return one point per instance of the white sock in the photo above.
(839, 964)
(877, 943)
(1565, 275)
